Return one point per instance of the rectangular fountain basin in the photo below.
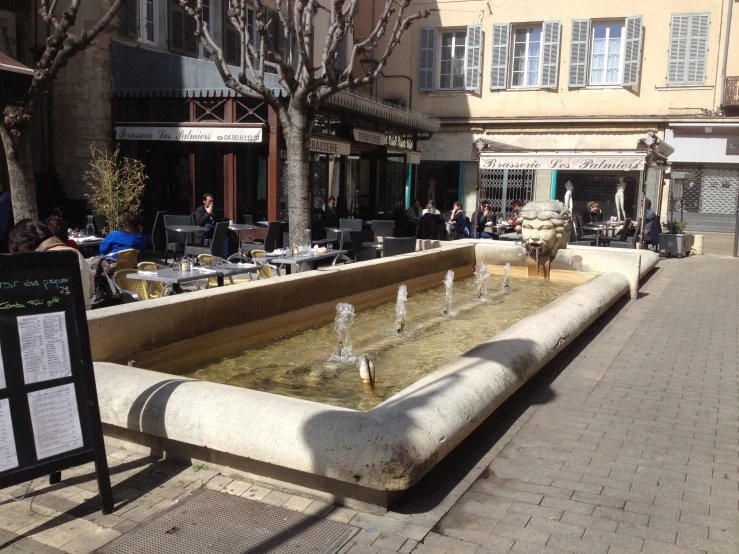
(357, 458)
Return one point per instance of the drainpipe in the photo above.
(726, 52)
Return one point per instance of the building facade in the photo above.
(575, 80)
(147, 85)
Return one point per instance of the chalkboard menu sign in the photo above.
(49, 416)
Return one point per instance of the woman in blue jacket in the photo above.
(129, 237)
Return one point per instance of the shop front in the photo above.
(593, 176)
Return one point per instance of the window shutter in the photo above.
(191, 41)
(632, 51)
(206, 17)
(176, 27)
(579, 53)
(550, 54)
(473, 58)
(131, 18)
(700, 24)
(499, 59)
(677, 63)
(427, 54)
(232, 42)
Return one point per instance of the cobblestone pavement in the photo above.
(627, 442)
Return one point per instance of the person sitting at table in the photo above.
(330, 217)
(128, 237)
(60, 229)
(484, 217)
(431, 209)
(414, 212)
(512, 235)
(592, 214)
(207, 216)
(458, 221)
(33, 236)
(649, 216)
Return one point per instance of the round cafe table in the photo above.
(340, 231)
(187, 229)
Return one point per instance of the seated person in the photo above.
(512, 235)
(330, 217)
(414, 212)
(431, 209)
(128, 237)
(458, 221)
(593, 213)
(649, 216)
(484, 216)
(60, 230)
(207, 216)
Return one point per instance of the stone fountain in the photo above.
(544, 228)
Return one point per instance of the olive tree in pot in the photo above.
(675, 242)
(115, 185)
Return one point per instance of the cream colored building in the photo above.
(536, 77)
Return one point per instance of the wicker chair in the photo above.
(126, 259)
(156, 289)
(207, 259)
(267, 271)
(135, 286)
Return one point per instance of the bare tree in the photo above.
(17, 114)
(289, 54)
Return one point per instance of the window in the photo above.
(526, 71)
(688, 49)
(460, 59)
(607, 53)
(232, 38)
(141, 19)
(452, 56)
(531, 52)
(148, 21)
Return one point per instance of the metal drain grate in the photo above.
(217, 523)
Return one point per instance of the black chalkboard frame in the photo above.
(32, 284)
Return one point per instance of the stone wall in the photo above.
(82, 104)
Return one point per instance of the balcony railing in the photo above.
(731, 96)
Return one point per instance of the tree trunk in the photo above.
(17, 144)
(297, 141)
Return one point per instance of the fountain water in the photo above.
(400, 310)
(342, 325)
(482, 274)
(448, 286)
(506, 277)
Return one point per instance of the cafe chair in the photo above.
(156, 289)
(382, 228)
(619, 237)
(136, 286)
(581, 235)
(216, 243)
(266, 270)
(270, 240)
(175, 240)
(363, 253)
(394, 246)
(158, 235)
(126, 259)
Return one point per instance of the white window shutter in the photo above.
(473, 58)
(499, 58)
(632, 51)
(677, 62)
(579, 48)
(700, 24)
(426, 54)
(552, 31)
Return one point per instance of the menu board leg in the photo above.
(101, 470)
(55, 478)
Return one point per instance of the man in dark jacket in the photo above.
(207, 216)
(6, 218)
(484, 216)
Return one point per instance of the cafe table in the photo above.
(296, 261)
(188, 230)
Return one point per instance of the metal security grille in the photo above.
(502, 186)
(212, 522)
(709, 190)
(319, 179)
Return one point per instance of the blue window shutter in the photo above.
(499, 59)
(473, 58)
(426, 54)
(552, 30)
(579, 48)
(632, 51)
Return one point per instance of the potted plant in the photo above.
(675, 242)
(114, 186)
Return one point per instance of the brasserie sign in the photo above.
(327, 146)
(626, 162)
(190, 134)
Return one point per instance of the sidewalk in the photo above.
(627, 442)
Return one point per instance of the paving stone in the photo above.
(389, 542)
(90, 542)
(256, 492)
(340, 514)
(276, 498)
(237, 488)
(318, 508)
(408, 546)
(434, 543)
(413, 531)
(218, 482)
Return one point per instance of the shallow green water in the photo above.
(299, 364)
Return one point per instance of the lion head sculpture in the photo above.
(544, 226)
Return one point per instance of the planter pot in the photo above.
(675, 245)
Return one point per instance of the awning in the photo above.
(577, 160)
(139, 72)
(13, 66)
